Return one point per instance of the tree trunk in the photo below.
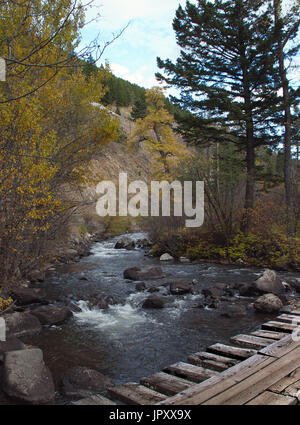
(287, 129)
(250, 159)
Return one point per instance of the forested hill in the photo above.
(122, 93)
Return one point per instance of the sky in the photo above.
(150, 34)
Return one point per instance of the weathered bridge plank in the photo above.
(251, 341)
(190, 372)
(268, 398)
(279, 326)
(217, 384)
(232, 352)
(258, 382)
(165, 383)
(135, 394)
(269, 334)
(212, 361)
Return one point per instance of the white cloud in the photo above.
(119, 70)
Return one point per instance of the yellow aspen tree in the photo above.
(157, 131)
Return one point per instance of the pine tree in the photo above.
(225, 74)
(139, 109)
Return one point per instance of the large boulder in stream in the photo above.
(22, 324)
(51, 314)
(267, 283)
(26, 377)
(137, 273)
(25, 296)
(268, 303)
(125, 243)
(154, 301)
(166, 257)
(180, 288)
(11, 344)
(81, 382)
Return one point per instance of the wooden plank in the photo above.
(268, 398)
(269, 334)
(288, 318)
(258, 382)
(251, 341)
(95, 400)
(286, 381)
(278, 326)
(133, 393)
(165, 383)
(289, 310)
(293, 390)
(232, 352)
(280, 348)
(217, 384)
(212, 361)
(190, 372)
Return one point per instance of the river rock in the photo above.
(213, 292)
(125, 243)
(184, 260)
(26, 377)
(105, 301)
(233, 311)
(268, 303)
(25, 296)
(136, 273)
(81, 382)
(166, 257)
(180, 288)
(269, 282)
(153, 289)
(295, 284)
(36, 276)
(11, 344)
(140, 287)
(22, 324)
(143, 243)
(154, 301)
(51, 314)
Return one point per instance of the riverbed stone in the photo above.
(137, 273)
(154, 301)
(125, 243)
(51, 314)
(105, 301)
(140, 287)
(166, 257)
(11, 344)
(180, 288)
(26, 296)
(81, 382)
(213, 292)
(22, 324)
(26, 377)
(36, 276)
(268, 303)
(269, 282)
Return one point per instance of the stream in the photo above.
(127, 342)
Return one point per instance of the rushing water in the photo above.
(126, 341)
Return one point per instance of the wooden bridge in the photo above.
(262, 368)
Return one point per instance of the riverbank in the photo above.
(127, 340)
